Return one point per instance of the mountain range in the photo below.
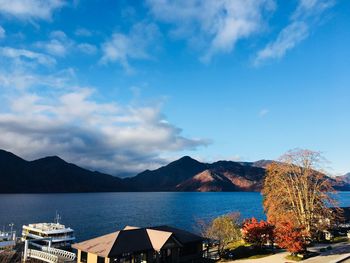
(346, 178)
(54, 175)
(51, 175)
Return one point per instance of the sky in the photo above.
(123, 86)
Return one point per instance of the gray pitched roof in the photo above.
(134, 240)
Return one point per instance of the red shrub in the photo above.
(290, 237)
(257, 233)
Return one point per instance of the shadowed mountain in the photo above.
(166, 178)
(52, 175)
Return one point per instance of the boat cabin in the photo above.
(57, 234)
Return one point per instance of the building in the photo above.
(162, 244)
(7, 239)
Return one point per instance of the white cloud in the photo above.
(87, 48)
(287, 39)
(20, 54)
(58, 44)
(23, 78)
(83, 32)
(30, 9)
(309, 8)
(135, 45)
(26, 69)
(305, 16)
(216, 26)
(2, 32)
(263, 112)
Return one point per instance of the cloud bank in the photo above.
(64, 119)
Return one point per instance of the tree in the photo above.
(257, 233)
(224, 229)
(295, 188)
(290, 237)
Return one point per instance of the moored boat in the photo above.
(52, 234)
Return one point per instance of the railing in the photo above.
(57, 238)
(59, 253)
(45, 252)
(44, 256)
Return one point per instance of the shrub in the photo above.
(290, 237)
(257, 233)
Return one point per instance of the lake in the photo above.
(94, 214)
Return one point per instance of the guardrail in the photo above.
(59, 253)
(48, 254)
(41, 255)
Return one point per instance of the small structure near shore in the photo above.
(340, 227)
(7, 239)
(155, 244)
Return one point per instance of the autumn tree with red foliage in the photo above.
(257, 233)
(290, 237)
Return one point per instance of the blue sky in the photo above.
(122, 86)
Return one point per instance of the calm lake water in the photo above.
(93, 214)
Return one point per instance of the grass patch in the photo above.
(261, 256)
(246, 252)
(294, 258)
(340, 239)
(236, 244)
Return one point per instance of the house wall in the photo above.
(191, 252)
(91, 258)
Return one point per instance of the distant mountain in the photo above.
(342, 183)
(52, 175)
(262, 163)
(207, 181)
(167, 177)
(187, 174)
(346, 178)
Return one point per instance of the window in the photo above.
(83, 256)
(100, 260)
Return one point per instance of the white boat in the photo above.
(53, 234)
